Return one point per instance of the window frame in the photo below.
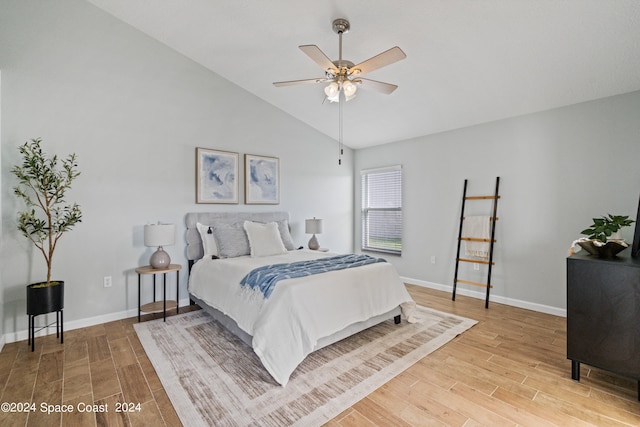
(366, 209)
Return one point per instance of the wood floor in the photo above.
(509, 369)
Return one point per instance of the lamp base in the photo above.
(160, 259)
(313, 243)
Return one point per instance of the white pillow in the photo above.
(264, 239)
(208, 240)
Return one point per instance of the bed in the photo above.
(298, 315)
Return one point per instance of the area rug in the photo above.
(213, 378)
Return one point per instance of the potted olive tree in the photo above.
(42, 185)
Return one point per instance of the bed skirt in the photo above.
(354, 328)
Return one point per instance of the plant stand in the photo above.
(43, 300)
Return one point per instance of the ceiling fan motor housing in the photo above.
(343, 68)
(341, 25)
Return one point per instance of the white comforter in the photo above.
(286, 326)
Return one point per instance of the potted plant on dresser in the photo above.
(42, 185)
(604, 237)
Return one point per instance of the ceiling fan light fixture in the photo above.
(349, 89)
(330, 74)
(332, 90)
(334, 98)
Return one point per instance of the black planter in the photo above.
(42, 300)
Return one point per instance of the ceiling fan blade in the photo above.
(299, 82)
(318, 56)
(386, 88)
(385, 58)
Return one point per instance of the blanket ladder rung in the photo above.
(481, 197)
(469, 282)
(475, 261)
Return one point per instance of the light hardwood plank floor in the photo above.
(509, 369)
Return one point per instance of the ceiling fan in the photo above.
(343, 75)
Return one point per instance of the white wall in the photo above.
(2, 337)
(133, 111)
(558, 169)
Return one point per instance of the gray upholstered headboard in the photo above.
(194, 243)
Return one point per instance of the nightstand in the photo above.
(159, 306)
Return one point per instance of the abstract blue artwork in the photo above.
(217, 176)
(262, 184)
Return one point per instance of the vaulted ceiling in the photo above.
(468, 61)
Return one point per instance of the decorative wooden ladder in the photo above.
(491, 241)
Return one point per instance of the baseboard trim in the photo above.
(105, 318)
(493, 298)
(76, 324)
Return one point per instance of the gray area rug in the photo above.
(213, 378)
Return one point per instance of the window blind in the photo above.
(382, 209)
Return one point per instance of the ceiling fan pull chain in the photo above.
(340, 150)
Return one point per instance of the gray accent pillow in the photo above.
(232, 241)
(283, 227)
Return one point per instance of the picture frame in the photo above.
(261, 180)
(635, 247)
(216, 176)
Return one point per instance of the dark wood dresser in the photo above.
(603, 314)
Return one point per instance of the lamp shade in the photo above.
(313, 226)
(332, 89)
(159, 234)
(349, 88)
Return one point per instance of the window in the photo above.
(382, 209)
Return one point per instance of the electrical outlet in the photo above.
(476, 266)
(107, 281)
(433, 259)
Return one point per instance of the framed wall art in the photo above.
(635, 247)
(262, 180)
(216, 176)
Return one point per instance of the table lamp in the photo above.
(313, 226)
(159, 235)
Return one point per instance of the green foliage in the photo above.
(605, 226)
(42, 186)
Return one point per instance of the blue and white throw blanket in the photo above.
(265, 278)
